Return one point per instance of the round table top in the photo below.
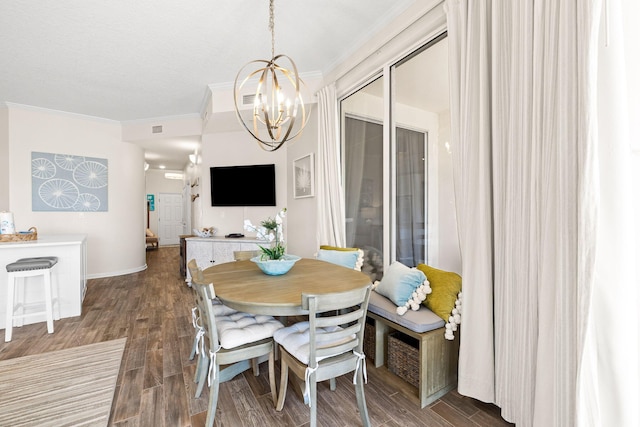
(243, 286)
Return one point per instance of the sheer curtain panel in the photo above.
(411, 183)
(354, 154)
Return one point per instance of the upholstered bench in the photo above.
(151, 239)
(438, 364)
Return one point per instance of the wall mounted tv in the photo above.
(250, 185)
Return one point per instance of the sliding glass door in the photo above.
(397, 166)
(362, 133)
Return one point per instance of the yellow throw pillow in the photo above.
(445, 287)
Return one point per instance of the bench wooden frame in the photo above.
(438, 367)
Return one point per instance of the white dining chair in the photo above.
(326, 346)
(219, 309)
(236, 341)
(244, 255)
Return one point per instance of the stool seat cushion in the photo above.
(51, 258)
(31, 264)
(241, 328)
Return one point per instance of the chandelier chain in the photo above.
(274, 119)
(272, 28)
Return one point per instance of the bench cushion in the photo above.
(420, 321)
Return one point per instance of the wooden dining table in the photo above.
(241, 285)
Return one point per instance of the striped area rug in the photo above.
(71, 387)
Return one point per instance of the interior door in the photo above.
(170, 220)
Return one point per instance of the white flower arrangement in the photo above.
(271, 231)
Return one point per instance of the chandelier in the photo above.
(276, 98)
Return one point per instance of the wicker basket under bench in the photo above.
(437, 357)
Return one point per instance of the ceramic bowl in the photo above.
(276, 267)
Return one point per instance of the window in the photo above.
(397, 167)
(363, 164)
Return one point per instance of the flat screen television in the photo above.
(249, 185)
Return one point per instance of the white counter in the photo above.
(69, 275)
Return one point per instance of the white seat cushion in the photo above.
(295, 339)
(240, 328)
(220, 309)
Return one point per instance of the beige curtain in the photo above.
(330, 230)
(524, 148)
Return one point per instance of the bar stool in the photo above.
(21, 269)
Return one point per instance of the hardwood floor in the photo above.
(155, 385)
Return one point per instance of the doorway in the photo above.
(170, 218)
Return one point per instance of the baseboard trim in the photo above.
(117, 273)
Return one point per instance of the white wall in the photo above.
(302, 213)
(115, 238)
(239, 148)
(233, 149)
(4, 159)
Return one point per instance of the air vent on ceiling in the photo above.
(156, 129)
(248, 99)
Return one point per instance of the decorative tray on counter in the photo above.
(21, 236)
(205, 232)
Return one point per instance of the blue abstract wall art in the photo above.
(68, 183)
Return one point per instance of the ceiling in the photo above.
(143, 59)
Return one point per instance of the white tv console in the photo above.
(208, 251)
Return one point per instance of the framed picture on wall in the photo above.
(68, 183)
(303, 177)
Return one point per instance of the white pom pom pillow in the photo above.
(406, 287)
